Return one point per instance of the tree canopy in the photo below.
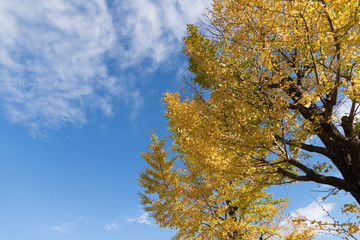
(273, 83)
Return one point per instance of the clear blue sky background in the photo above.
(81, 88)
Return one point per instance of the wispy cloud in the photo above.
(142, 219)
(154, 29)
(343, 108)
(64, 228)
(315, 211)
(52, 60)
(111, 226)
(54, 55)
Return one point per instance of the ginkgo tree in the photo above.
(273, 83)
(203, 201)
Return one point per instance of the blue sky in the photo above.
(81, 88)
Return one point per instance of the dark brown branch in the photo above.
(347, 125)
(352, 111)
(316, 149)
(311, 49)
(331, 98)
(306, 147)
(318, 178)
(301, 166)
(312, 112)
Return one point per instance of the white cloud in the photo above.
(142, 219)
(343, 108)
(64, 228)
(53, 54)
(51, 59)
(315, 211)
(111, 226)
(155, 28)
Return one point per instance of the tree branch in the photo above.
(304, 146)
(346, 124)
(318, 178)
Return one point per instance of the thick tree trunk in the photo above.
(344, 153)
(343, 149)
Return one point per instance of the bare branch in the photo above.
(306, 147)
(315, 177)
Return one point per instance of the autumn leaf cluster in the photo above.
(271, 83)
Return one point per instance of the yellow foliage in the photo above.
(270, 78)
